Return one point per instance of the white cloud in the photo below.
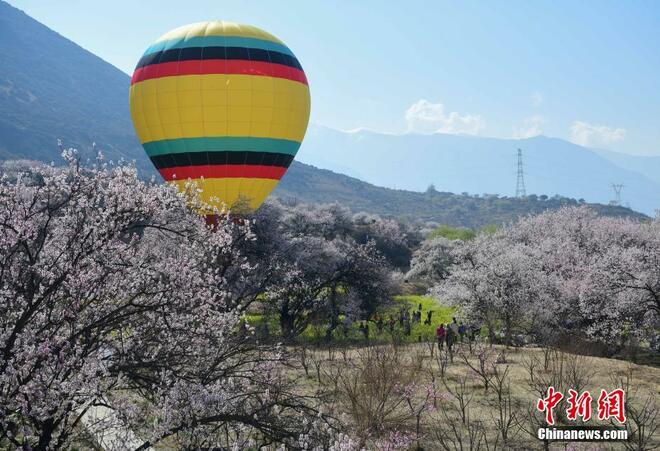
(587, 134)
(531, 127)
(426, 117)
(537, 99)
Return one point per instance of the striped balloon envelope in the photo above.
(223, 104)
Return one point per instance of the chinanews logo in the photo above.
(611, 407)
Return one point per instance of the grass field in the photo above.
(441, 314)
(363, 384)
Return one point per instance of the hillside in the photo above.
(477, 165)
(52, 88)
(309, 184)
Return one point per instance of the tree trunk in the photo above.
(287, 323)
(491, 333)
(334, 314)
(508, 333)
(46, 436)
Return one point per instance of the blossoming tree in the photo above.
(114, 293)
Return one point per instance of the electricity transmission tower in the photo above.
(520, 182)
(617, 187)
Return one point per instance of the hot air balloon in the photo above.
(223, 104)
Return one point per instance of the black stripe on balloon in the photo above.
(172, 160)
(218, 53)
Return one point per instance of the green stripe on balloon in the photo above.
(221, 143)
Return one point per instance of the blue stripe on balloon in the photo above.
(218, 41)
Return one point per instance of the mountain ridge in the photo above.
(647, 165)
(46, 95)
(463, 163)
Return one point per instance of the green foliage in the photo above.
(441, 314)
(452, 233)
(489, 229)
(315, 333)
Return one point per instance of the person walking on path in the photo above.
(454, 326)
(461, 331)
(451, 337)
(440, 333)
(392, 324)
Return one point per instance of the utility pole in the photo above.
(617, 187)
(520, 181)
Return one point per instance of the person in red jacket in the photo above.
(440, 333)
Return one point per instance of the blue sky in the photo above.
(587, 71)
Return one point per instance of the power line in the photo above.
(520, 180)
(617, 187)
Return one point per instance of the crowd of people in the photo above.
(453, 332)
(404, 320)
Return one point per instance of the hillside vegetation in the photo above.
(312, 185)
(51, 88)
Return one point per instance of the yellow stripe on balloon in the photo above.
(189, 106)
(252, 191)
(218, 28)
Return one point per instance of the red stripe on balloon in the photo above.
(222, 171)
(204, 67)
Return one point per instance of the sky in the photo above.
(583, 71)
